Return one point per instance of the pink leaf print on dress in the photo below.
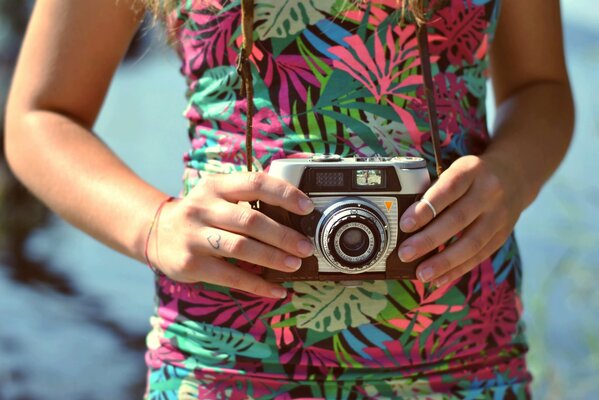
(293, 76)
(421, 317)
(267, 133)
(380, 72)
(239, 311)
(204, 40)
(463, 26)
(449, 92)
(266, 122)
(445, 342)
(495, 312)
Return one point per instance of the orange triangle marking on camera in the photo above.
(388, 204)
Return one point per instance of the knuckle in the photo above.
(428, 241)
(471, 162)
(184, 265)
(248, 218)
(288, 191)
(459, 217)
(274, 259)
(235, 246)
(233, 280)
(256, 180)
(255, 287)
(190, 211)
(443, 264)
(286, 238)
(493, 186)
(187, 262)
(452, 187)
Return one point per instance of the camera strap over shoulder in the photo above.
(247, 88)
(429, 93)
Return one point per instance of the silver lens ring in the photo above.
(352, 213)
(337, 242)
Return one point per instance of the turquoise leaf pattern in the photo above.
(213, 346)
(215, 96)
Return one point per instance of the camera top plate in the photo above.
(411, 172)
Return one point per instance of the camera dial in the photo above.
(326, 158)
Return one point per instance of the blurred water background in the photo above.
(74, 313)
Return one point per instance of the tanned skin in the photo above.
(69, 56)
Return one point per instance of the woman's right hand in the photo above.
(195, 235)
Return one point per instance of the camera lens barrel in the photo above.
(352, 235)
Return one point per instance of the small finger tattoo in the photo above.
(214, 240)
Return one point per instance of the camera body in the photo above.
(355, 224)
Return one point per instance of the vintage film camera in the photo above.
(355, 223)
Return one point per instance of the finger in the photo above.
(219, 272)
(472, 242)
(252, 223)
(455, 219)
(452, 185)
(231, 245)
(261, 186)
(467, 266)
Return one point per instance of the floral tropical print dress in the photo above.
(344, 77)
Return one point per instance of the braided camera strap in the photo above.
(247, 87)
(245, 70)
(429, 93)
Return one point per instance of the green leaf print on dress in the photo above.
(392, 136)
(215, 98)
(280, 19)
(212, 346)
(332, 307)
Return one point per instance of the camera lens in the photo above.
(352, 235)
(354, 239)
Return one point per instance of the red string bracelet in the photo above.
(156, 217)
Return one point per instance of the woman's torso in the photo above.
(331, 76)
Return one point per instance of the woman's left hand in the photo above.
(478, 196)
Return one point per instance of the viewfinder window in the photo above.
(369, 178)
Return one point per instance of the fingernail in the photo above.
(425, 274)
(407, 224)
(306, 205)
(305, 247)
(406, 253)
(279, 292)
(293, 262)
